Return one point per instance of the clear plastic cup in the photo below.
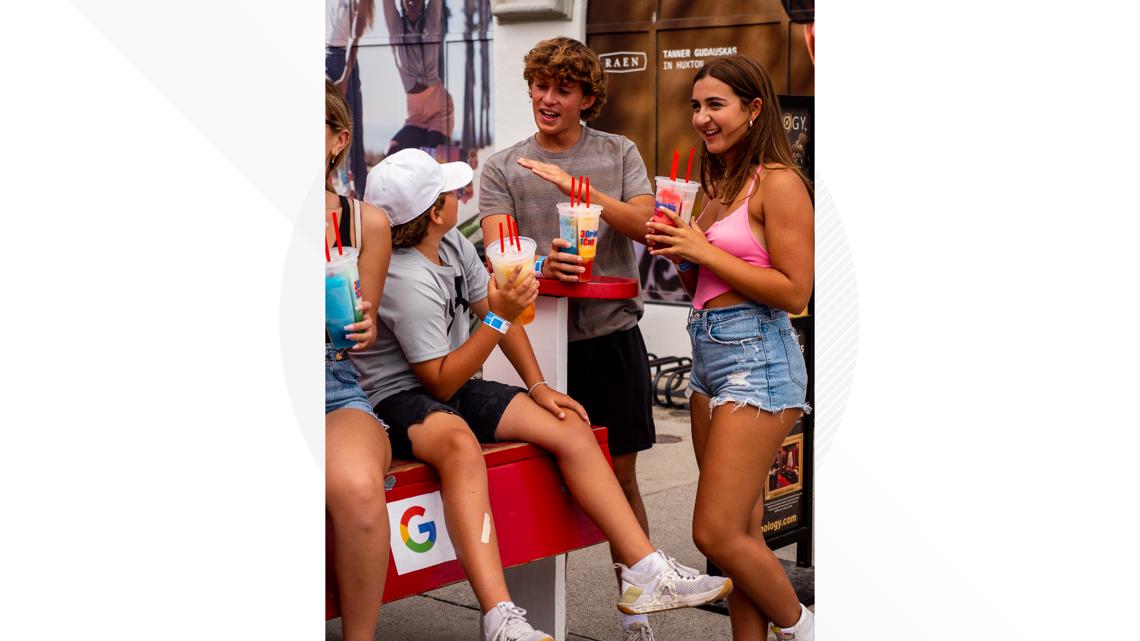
(342, 296)
(578, 225)
(504, 261)
(677, 196)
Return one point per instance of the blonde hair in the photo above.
(338, 118)
(567, 61)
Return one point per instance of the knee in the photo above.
(356, 497)
(713, 539)
(576, 438)
(461, 452)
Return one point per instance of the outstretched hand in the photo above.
(552, 174)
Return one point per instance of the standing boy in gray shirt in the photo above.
(418, 376)
(608, 368)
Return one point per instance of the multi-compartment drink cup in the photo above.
(677, 196)
(342, 296)
(504, 261)
(579, 226)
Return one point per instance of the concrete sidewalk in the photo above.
(668, 477)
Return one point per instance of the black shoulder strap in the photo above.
(345, 222)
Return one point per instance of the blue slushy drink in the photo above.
(342, 297)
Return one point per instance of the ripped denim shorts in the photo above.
(747, 354)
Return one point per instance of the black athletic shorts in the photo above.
(609, 376)
(480, 403)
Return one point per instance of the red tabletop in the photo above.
(596, 287)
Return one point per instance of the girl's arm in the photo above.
(372, 266)
(377, 253)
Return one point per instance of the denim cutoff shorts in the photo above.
(342, 388)
(747, 354)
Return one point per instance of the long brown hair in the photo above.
(765, 142)
(338, 118)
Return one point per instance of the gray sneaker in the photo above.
(675, 586)
(513, 626)
(638, 632)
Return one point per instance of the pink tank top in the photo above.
(734, 235)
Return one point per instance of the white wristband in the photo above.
(536, 385)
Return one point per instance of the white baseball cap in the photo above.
(406, 183)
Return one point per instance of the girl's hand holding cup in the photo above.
(362, 333)
(678, 242)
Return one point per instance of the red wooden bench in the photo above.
(536, 521)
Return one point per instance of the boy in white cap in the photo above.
(418, 378)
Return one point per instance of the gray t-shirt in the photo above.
(616, 169)
(425, 314)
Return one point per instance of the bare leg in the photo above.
(727, 496)
(357, 455)
(748, 622)
(584, 469)
(625, 469)
(444, 442)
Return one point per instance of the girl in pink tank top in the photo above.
(747, 260)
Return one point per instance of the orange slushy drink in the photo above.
(505, 260)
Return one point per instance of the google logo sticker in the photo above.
(427, 527)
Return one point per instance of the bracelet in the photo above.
(684, 266)
(496, 322)
(538, 266)
(536, 385)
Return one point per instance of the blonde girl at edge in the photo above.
(747, 260)
(357, 451)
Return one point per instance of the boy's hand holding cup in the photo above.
(518, 293)
(561, 265)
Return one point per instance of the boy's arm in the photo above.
(627, 217)
(443, 376)
(517, 348)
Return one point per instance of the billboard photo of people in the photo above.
(416, 74)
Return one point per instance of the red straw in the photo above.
(581, 181)
(328, 256)
(515, 232)
(673, 171)
(502, 249)
(572, 183)
(689, 167)
(336, 230)
(587, 191)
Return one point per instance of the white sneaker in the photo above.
(513, 626)
(638, 632)
(803, 630)
(673, 586)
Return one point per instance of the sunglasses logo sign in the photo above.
(623, 61)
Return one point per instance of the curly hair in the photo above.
(410, 234)
(567, 61)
